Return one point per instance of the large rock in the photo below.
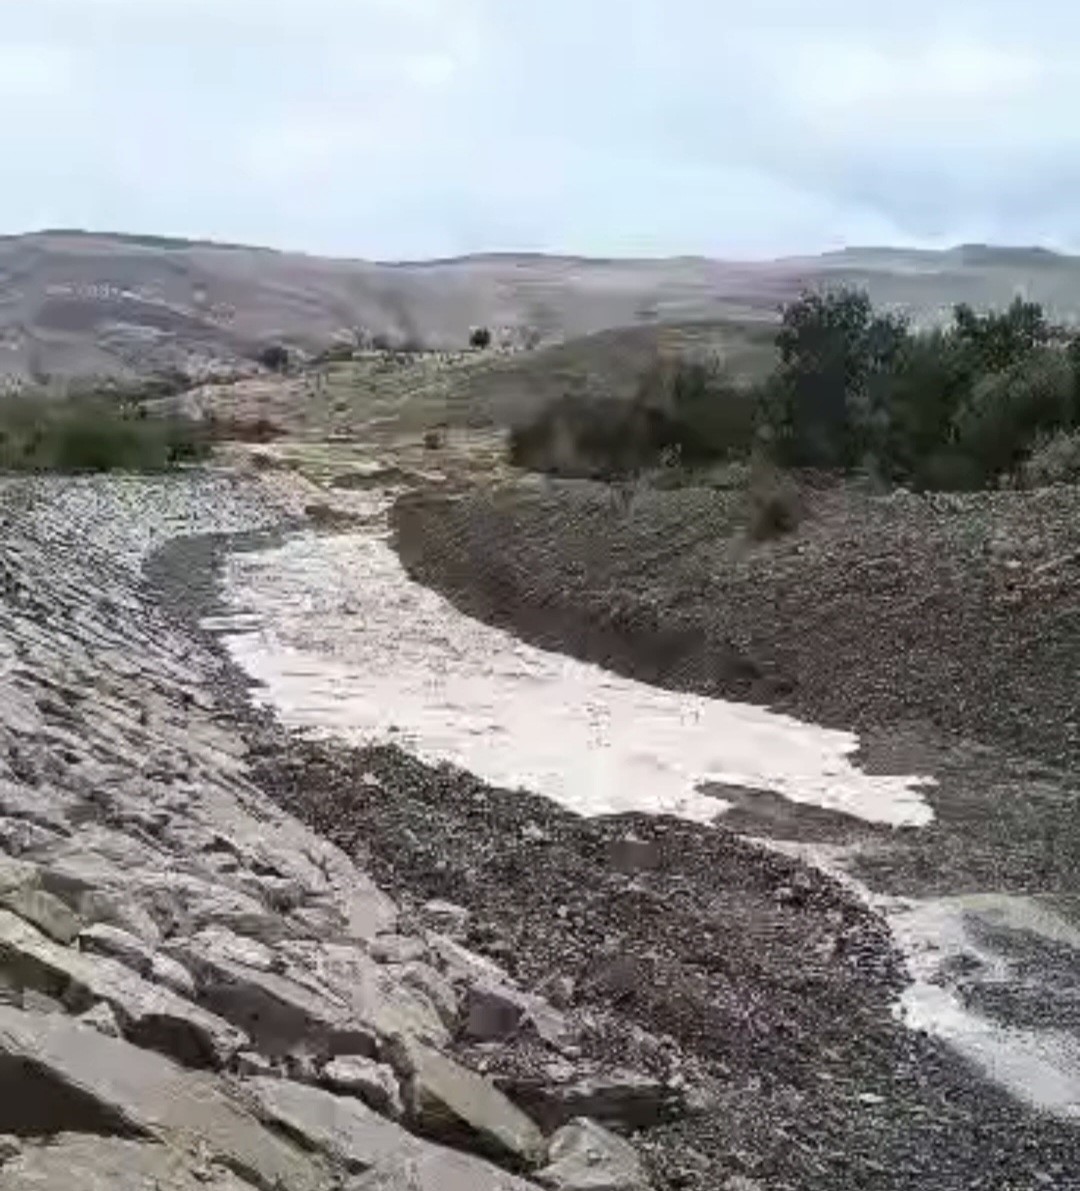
(374, 1083)
(89, 1163)
(148, 1014)
(449, 1102)
(57, 1076)
(582, 1156)
(386, 1157)
(280, 1013)
(625, 1100)
(102, 939)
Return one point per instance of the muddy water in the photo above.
(344, 644)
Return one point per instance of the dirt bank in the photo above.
(959, 612)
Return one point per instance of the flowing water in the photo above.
(345, 644)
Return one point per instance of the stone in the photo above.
(397, 949)
(44, 910)
(381, 1155)
(112, 1164)
(446, 917)
(10, 1147)
(149, 1015)
(583, 1156)
(97, 905)
(492, 1012)
(250, 1062)
(374, 1083)
(431, 984)
(451, 1103)
(172, 975)
(36, 1002)
(464, 966)
(434, 1169)
(102, 1019)
(279, 1013)
(341, 1127)
(626, 1100)
(111, 941)
(385, 1005)
(57, 1076)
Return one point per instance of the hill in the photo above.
(78, 303)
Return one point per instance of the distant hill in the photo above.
(77, 303)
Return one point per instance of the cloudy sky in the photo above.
(413, 128)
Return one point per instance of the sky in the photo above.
(404, 129)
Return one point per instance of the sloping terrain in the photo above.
(74, 303)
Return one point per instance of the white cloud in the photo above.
(34, 71)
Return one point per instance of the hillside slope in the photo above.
(76, 303)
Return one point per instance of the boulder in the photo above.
(44, 910)
(384, 1155)
(424, 979)
(102, 1019)
(464, 966)
(149, 1015)
(397, 949)
(583, 1156)
(57, 1076)
(111, 941)
(172, 975)
(279, 1013)
(624, 1100)
(449, 1102)
(112, 1164)
(374, 1083)
(492, 1012)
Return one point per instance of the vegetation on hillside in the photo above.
(991, 399)
(91, 433)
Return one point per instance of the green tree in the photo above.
(1000, 339)
(836, 354)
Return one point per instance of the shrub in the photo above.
(1055, 460)
(275, 357)
(79, 435)
(480, 339)
(1007, 411)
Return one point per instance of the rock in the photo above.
(431, 984)
(44, 910)
(149, 1015)
(449, 1102)
(582, 1156)
(386, 1006)
(386, 1157)
(280, 1014)
(446, 917)
(559, 991)
(35, 1002)
(341, 1127)
(57, 1076)
(96, 905)
(111, 941)
(220, 943)
(10, 1147)
(113, 1164)
(102, 1019)
(492, 1012)
(251, 1062)
(397, 949)
(464, 966)
(172, 975)
(434, 1169)
(626, 1100)
(374, 1083)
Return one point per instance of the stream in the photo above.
(343, 644)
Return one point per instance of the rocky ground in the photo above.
(196, 989)
(234, 958)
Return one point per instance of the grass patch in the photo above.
(93, 435)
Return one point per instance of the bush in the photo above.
(480, 339)
(1055, 460)
(275, 357)
(86, 435)
(1007, 411)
